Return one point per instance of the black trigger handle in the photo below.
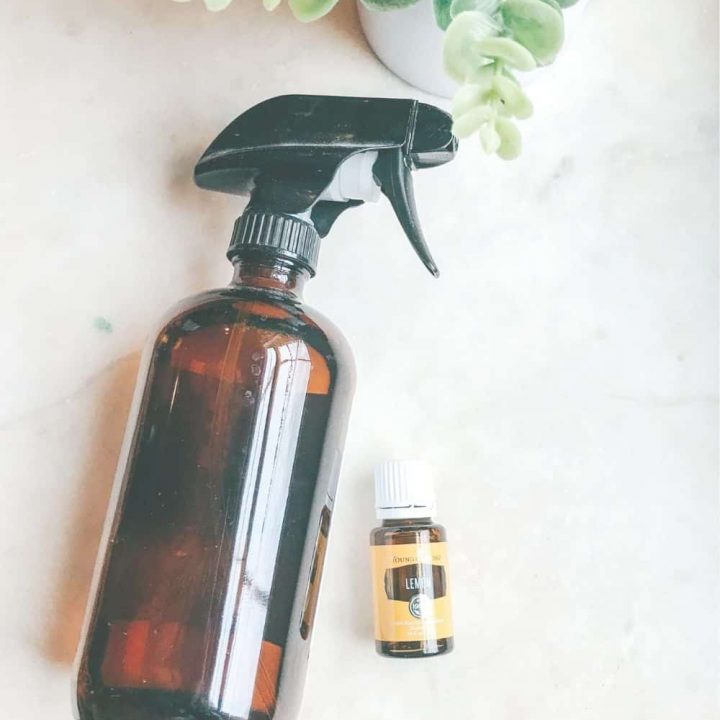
(393, 174)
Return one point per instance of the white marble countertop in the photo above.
(561, 375)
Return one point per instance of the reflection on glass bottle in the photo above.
(311, 599)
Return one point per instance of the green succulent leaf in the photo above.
(271, 4)
(489, 137)
(471, 121)
(388, 4)
(514, 102)
(510, 139)
(472, 94)
(566, 3)
(309, 10)
(442, 13)
(462, 54)
(489, 7)
(503, 48)
(536, 25)
(499, 91)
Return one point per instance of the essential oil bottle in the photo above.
(413, 615)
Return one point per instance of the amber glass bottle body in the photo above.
(206, 591)
(408, 533)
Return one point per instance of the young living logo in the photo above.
(420, 606)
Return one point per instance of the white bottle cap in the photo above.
(403, 489)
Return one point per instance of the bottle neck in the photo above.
(268, 273)
(407, 522)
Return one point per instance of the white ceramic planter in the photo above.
(409, 42)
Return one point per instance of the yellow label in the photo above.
(412, 594)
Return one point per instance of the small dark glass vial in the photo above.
(413, 615)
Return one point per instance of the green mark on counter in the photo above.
(102, 324)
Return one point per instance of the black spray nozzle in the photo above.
(289, 154)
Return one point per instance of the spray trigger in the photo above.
(395, 179)
(305, 159)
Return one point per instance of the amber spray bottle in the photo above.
(207, 582)
(413, 615)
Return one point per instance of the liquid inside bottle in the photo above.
(205, 598)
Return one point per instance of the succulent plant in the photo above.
(486, 43)
(304, 10)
